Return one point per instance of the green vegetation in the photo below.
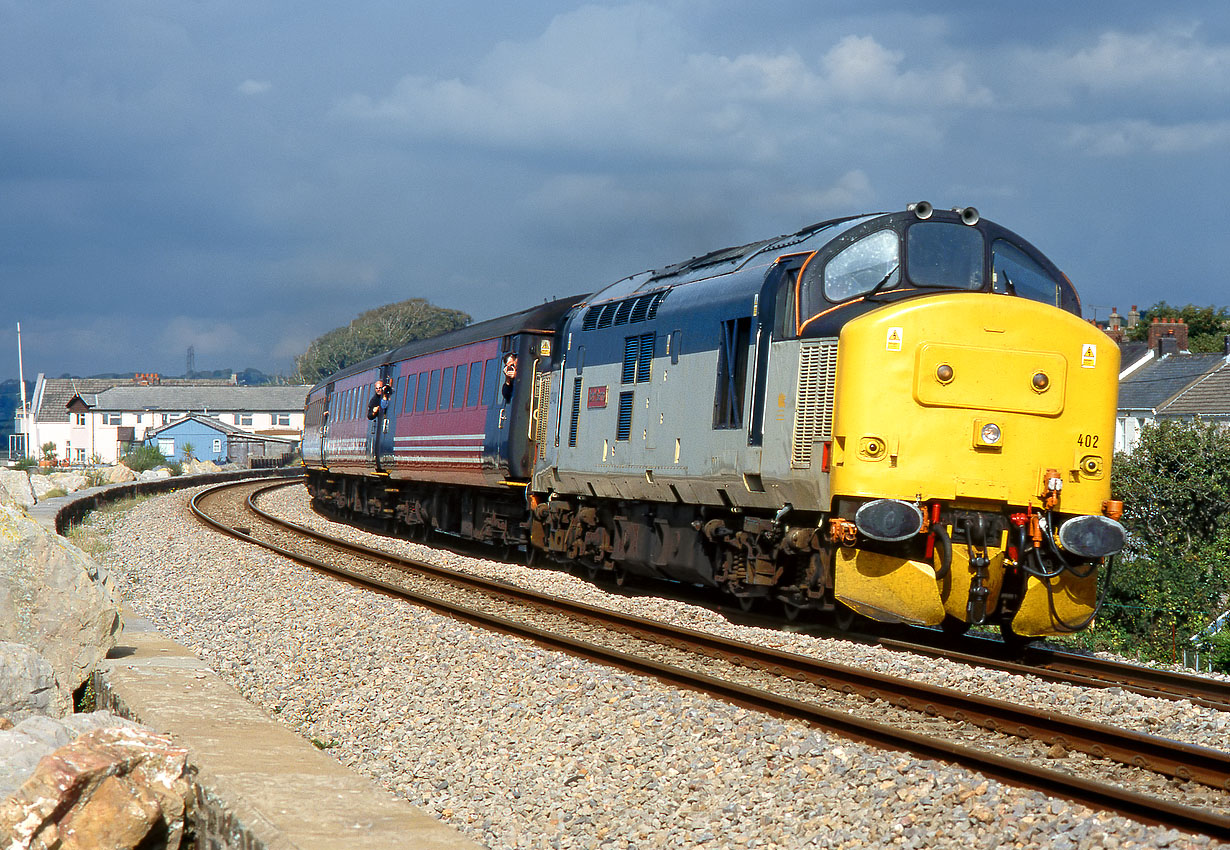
(49, 451)
(374, 332)
(1173, 579)
(1206, 326)
(187, 451)
(26, 463)
(143, 458)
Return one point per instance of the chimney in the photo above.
(1168, 336)
(1116, 321)
(1226, 345)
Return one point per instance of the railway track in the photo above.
(780, 683)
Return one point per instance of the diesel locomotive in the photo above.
(898, 415)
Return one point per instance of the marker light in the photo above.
(990, 434)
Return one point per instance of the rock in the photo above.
(15, 488)
(24, 746)
(200, 467)
(111, 787)
(27, 684)
(119, 474)
(54, 599)
(69, 482)
(154, 474)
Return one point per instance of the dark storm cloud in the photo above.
(242, 178)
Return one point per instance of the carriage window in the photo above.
(407, 406)
(1018, 274)
(945, 255)
(490, 373)
(433, 390)
(459, 388)
(420, 403)
(476, 382)
(446, 388)
(872, 262)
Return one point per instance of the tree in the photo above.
(1206, 326)
(374, 332)
(1173, 577)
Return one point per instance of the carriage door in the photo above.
(540, 403)
(388, 423)
(326, 425)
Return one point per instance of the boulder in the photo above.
(154, 474)
(27, 684)
(119, 474)
(24, 746)
(119, 787)
(69, 482)
(55, 599)
(200, 467)
(15, 488)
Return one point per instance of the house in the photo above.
(1167, 381)
(88, 418)
(212, 439)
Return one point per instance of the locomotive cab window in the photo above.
(944, 255)
(873, 262)
(1016, 273)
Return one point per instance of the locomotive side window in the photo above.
(873, 262)
(731, 373)
(945, 255)
(1018, 274)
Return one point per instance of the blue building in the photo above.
(214, 440)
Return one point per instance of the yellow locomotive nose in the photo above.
(972, 406)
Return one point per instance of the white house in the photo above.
(89, 418)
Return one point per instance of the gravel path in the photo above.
(523, 747)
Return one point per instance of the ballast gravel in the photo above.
(522, 747)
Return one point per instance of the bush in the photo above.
(1219, 647)
(26, 463)
(143, 458)
(176, 468)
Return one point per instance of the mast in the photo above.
(21, 380)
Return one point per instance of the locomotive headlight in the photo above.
(1041, 381)
(943, 373)
(987, 435)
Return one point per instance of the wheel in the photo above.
(746, 603)
(953, 627)
(792, 611)
(844, 617)
(531, 555)
(621, 576)
(1012, 641)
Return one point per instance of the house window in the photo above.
(79, 455)
(166, 446)
(281, 419)
(112, 418)
(217, 447)
(78, 418)
(166, 419)
(245, 419)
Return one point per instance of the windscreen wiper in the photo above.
(875, 289)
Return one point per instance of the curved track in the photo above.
(781, 683)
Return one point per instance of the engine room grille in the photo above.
(542, 401)
(813, 412)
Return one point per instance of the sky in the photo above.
(242, 177)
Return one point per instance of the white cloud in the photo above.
(1119, 138)
(1174, 64)
(622, 80)
(252, 88)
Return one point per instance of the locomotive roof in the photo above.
(542, 317)
(726, 260)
